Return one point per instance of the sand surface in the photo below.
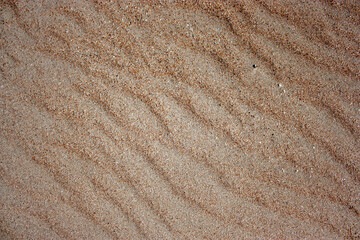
(180, 120)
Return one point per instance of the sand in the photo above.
(180, 119)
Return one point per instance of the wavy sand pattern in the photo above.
(149, 120)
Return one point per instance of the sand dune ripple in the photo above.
(180, 120)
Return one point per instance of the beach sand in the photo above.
(180, 119)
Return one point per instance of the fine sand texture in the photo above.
(180, 119)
